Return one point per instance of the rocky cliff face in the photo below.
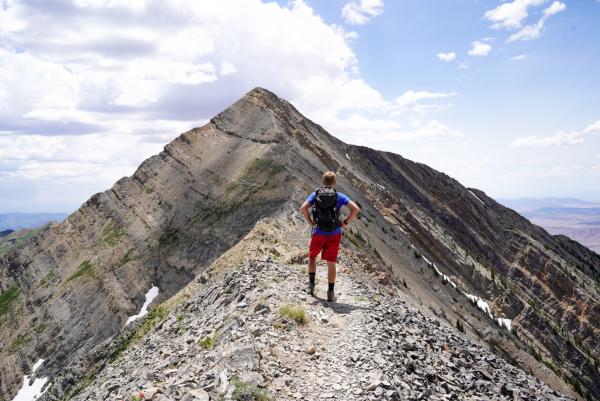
(69, 289)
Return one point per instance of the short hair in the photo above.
(329, 178)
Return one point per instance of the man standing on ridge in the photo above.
(326, 229)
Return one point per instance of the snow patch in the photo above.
(481, 304)
(505, 323)
(401, 229)
(476, 197)
(33, 391)
(381, 186)
(347, 157)
(150, 295)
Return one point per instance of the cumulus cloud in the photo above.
(558, 139)
(412, 100)
(384, 132)
(105, 84)
(534, 31)
(359, 12)
(480, 48)
(511, 14)
(447, 56)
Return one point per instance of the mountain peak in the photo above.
(260, 116)
(438, 246)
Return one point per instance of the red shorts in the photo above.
(329, 244)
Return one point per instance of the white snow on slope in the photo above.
(481, 304)
(34, 391)
(476, 197)
(150, 295)
(347, 157)
(505, 323)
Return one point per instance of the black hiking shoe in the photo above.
(311, 288)
(331, 296)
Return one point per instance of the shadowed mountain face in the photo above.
(72, 286)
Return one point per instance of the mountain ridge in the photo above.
(185, 207)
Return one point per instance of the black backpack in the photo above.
(325, 211)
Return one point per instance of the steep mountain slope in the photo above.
(74, 284)
(230, 334)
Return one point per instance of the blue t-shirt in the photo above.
(342, 199)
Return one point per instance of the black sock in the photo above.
(331, 286)
(311, 277)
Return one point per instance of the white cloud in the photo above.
(594, 127)
(83, 111)
(534, 31)
(519, 57)
(479, 48)
(446, 56)
(558, 139)
(227, 68)
(359, 12)
(555, 8)
(412, 100)
(385, 132)
(511, 14)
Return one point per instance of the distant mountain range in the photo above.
(577, 219)
(18, 221)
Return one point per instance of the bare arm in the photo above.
(304, 210)
(354, 209)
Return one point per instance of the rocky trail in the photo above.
(252, 333)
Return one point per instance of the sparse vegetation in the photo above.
(168, 237)
(208, 341)
(154, 317)
(296, 313)
(111, 234)
(7, 297)
(460, 326)
(417, 254)
(79, 386)
(128, 257)
(19, 342)
(245, 391)
(48, 278)
(85, 269)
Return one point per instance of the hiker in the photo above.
(326, 229)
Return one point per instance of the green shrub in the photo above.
(417, 254)
(245, 391)
(111, 235)
(19, 342)
(152, 319)
(86, 268)
(208, 341)
(7, 297)
(296, 313)
(168, 237)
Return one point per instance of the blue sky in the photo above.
(502, 95)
